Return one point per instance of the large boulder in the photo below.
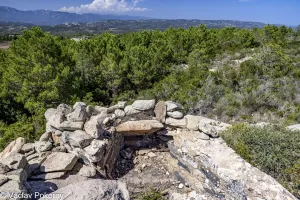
(78, 115)
(120, 113)
(55, 116)
(144, 105)
(14, 147)
(79, 104)
(26, 148)
(160, 111)
(141, 127)
(49, 112)
(100, 110)
(50, 128)
(87, 171)
(15, 161)
(56, 139)
(45, 137)
(15, 188)
(93, 189)
(226, 174)
(19, 175)
(120, 105)
(176, 123)
(71, 126)
(58, 161)
(55, 120)
(192, 122)
(93, 127)
(64, 109)
(172, 106)
(43, 146)
(209, 130)
(93, 111)
(175, 114)
(77, 138)
(129, 110)
(95, 151)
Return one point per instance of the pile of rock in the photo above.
(94, 136)
(87, 140)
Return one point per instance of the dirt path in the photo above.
(4, 45)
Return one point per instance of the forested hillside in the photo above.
(123, 26)
(232, 74)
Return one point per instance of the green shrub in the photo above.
(23, 128)
(275, 150)
(152, 195)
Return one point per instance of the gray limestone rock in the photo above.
(143, 105)
(94, 189)
(71, 126)
(172, 106)
(58, 161)
(175, 114)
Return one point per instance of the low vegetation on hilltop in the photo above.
(274, 150)
(41, 70)
(152, 195)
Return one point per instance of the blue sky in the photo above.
(268, 11)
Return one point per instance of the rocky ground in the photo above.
(124, 151)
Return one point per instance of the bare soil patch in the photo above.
(4, 45)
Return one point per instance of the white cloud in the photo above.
(105, 6)
(135, 2)
(241, 1)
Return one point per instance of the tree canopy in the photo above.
(228, 73)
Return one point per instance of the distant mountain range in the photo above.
(13, 21)
(50, 18)
(124, 26)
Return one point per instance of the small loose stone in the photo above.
(180, 186)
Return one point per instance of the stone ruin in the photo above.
(96, 137)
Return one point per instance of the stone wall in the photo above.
(94, 137)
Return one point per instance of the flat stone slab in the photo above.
(27, 148)
(241, 180)
(71, 126)
(19, 175)
(92, 189)
(77, 138)
(129, 110)
(172, 106)
(143, 104)
(14, 147)
(12, 187)
(58, 161)
(93, 126)
(142, 127)
(179, 123)
(15, 161)
(175, 114)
